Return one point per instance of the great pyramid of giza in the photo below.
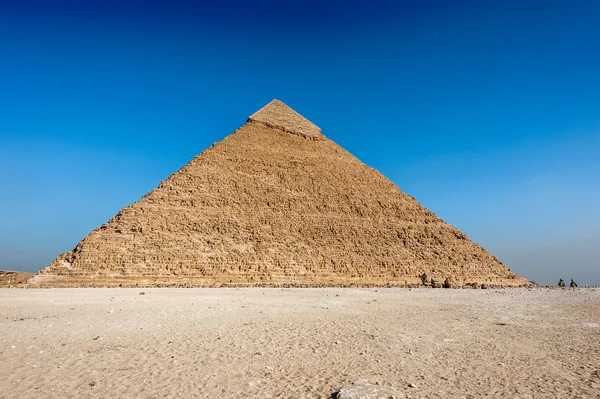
(275, 203)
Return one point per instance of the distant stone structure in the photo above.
(276, 203)
(10, 279)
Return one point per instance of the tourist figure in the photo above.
(561, 283)
(573, 284)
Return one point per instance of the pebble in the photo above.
(364, 389)
(411, 385)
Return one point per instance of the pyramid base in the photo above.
(194, 282)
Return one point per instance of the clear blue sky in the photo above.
(488, 112)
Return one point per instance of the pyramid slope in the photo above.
(266, 207)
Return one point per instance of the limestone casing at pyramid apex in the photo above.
(279, 115)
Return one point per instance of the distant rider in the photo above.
(573, 284)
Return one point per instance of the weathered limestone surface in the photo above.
(266, 207)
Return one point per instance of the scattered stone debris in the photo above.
(436, 283)
(449, 283)
(425, 279)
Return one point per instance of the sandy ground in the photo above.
(299, 343)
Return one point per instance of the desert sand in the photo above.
(299, 343)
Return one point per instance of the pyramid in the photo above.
(275, 203)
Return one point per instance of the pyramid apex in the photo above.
(277, 114)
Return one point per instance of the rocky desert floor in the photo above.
(299, 343)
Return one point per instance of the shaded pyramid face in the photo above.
(275, 203)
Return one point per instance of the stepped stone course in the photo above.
(265, 207)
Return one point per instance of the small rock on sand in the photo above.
(364, 389)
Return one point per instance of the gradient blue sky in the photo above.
(488, 112)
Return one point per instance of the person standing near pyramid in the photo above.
(276, 203)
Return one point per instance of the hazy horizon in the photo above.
(486, 113)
